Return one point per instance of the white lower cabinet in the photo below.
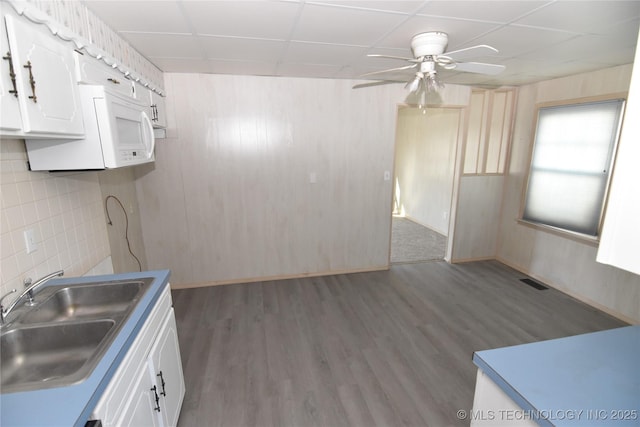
(148, 387)
(165, 368)
(141, 410)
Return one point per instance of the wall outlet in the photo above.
(30, 241)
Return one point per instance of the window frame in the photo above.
(574, 235)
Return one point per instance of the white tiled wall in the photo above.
(64, 210)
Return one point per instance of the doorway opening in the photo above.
(426, 141)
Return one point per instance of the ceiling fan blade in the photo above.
(473, 51)
(376, 83)
(406, 67)
(376, 55)
(479, 68)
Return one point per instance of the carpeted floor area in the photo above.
(411, 242)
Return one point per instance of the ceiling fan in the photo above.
(428, 51)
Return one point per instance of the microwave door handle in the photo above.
(152, 138)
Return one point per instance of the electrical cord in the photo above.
(126, 228)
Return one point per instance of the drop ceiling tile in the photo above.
(469, 79)
(307, 70)
(581, 16)
(398, 6)
(459, 31)
(258, 19)
(321, 53)
(141, 16)
(515, 40)
(232, 48)
(545, 68)
(624, 34)
(332, 37)
(343, 25)
(182, 65)
(581, 48)
(492, 11)
(251, 68)
(571, 67)
(165, 45)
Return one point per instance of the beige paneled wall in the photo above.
(120, 183)
(475, 234)
(63, 210)
(265, 176)
(424, 164)
(565, 263)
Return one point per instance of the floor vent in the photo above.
(534, 284)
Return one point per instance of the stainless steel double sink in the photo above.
(61, 339)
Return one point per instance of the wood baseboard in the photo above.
(271, 278)
(610, 311)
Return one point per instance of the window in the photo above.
(571, 163)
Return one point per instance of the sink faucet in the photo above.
(28, 292)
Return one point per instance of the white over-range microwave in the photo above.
(118, 133)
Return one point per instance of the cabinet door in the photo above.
(167, 370)
(141, 410)
(160, 114)
(47, 88)
(9, 107)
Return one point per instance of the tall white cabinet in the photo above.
(620, 239)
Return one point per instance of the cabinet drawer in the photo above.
(114, 398)
(92, 71)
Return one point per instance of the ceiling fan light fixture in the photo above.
(431, 83)
(428, 53)
(414, 84)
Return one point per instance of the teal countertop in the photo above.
(584, 380)
(72, 405)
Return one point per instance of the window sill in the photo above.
(578, 237)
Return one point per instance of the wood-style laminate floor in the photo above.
(388, 348)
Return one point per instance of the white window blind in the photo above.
(570, 166)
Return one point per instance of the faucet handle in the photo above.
(27, 283)
(4, 296)
(2, 311)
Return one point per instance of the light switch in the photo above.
(387, 175)
(30, 241)
(312, 178)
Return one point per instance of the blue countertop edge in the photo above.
(72, 405)
(510, 369)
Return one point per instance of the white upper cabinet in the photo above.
(156, 103)
(10, 117)
(158, 111)
(48, 96)
(95, 72)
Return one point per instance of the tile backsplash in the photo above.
(64, 210)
